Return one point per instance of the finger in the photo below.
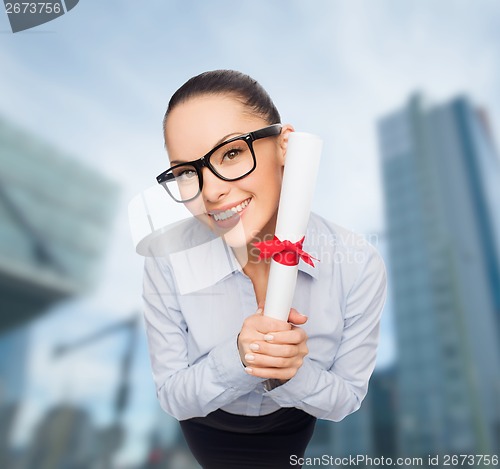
(264, 324)
(274, 350)
(267, 361)
(272, 373)
(296, 318)
(296, 335)
(256, 326)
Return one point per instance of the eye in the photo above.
(188, 174)
(230, 154)
(185, 174)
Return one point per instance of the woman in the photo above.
(247, 389)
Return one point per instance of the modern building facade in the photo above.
(64, 438)
(382, 396)
(55, 216)
(441, 178)
(370, 431)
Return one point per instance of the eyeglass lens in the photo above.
(231, 161)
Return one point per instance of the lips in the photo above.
(221, 215)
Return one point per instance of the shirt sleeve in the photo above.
(185, 391)
(335, 393)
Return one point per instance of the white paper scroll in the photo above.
(299, 179)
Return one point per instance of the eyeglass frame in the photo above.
(204, 162)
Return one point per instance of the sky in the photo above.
(95, 83)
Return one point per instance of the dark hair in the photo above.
(243, 87)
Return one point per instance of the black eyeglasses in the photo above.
(230, 160)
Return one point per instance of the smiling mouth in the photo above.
(224, 215)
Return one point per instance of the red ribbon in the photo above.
(284, 252)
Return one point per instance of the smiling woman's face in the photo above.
(245, 210)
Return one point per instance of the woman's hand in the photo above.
(270, 348)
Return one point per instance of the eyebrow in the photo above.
(221, 140)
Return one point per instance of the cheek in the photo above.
(270, 187)
(266, 189)
(268, 175)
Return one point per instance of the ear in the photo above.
(286, 130)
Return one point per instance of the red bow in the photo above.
(284, 252)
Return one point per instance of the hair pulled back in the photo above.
(232, 82)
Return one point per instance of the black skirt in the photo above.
(227, 441)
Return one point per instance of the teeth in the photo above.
(230, 212)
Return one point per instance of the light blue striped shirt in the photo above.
(197, 297)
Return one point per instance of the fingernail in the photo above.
(249, 357)
(249, 370)
(259, 311)
(254, 347)
(268, 337)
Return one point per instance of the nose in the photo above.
(214, 188)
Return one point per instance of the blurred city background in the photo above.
(405, 96)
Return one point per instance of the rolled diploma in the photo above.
(299, 178)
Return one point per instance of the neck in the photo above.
(248, 256)
(252, 253)
(258, 272)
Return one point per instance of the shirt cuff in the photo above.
(227, 363)
(295, 390)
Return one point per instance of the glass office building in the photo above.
(55, 215)
(441, 181)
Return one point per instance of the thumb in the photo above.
(296, 318)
